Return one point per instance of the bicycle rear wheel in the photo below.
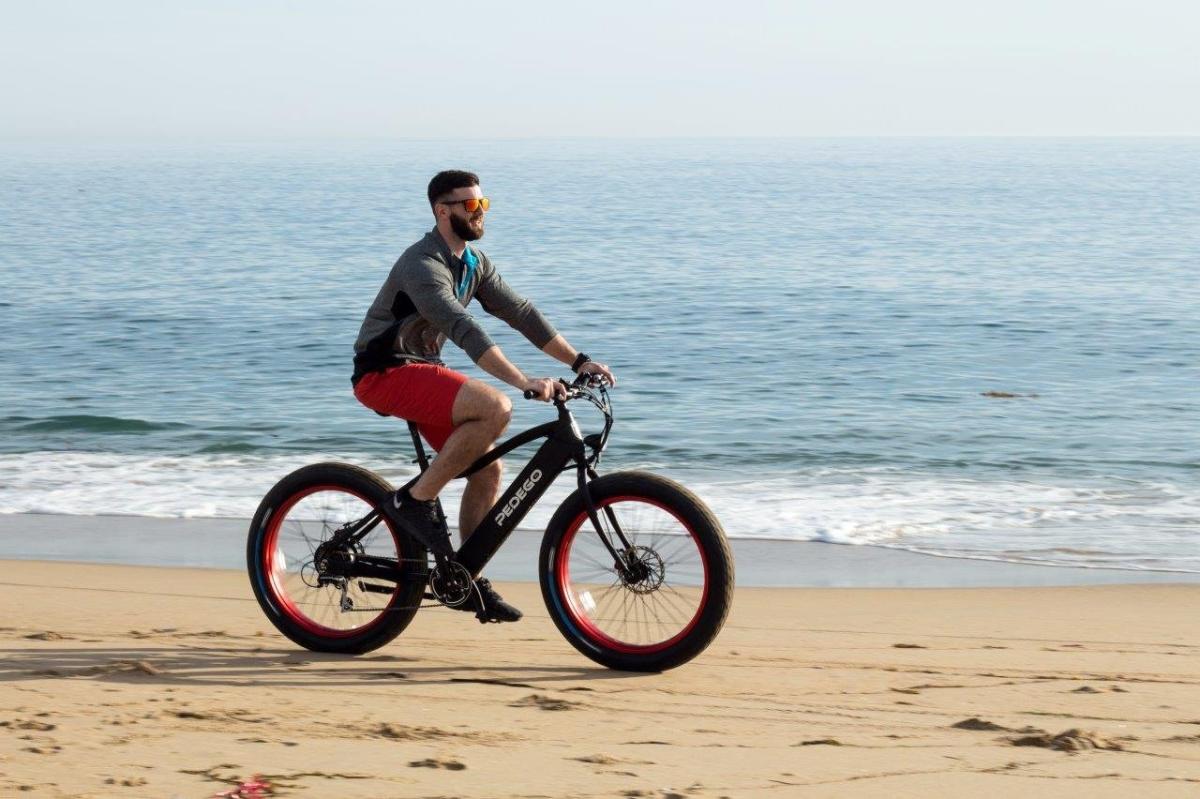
(666, 613)
(295, 518)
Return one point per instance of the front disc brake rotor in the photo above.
(647, 570)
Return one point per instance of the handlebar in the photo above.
(574, 387)
(594, 389)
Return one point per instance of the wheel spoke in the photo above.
(290, 549)
(642, 608)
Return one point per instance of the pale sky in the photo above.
(215, 70)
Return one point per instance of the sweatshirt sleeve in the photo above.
(428, 284)
(498, 299)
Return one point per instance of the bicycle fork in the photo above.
(624, 561)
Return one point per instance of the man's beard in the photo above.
(462, 228)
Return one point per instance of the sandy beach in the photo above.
(164, 682)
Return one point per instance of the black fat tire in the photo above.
(708, 534)
(374, 489)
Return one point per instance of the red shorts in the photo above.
(419, 392)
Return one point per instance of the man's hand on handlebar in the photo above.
(544, 389)
(598, 369)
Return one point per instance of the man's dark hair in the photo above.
(445, 182)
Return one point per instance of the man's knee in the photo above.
(497, 410)
(502, 415)
(480, 402)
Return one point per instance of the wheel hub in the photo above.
(645, 570)
(330, 564)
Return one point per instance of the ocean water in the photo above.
(969, 347)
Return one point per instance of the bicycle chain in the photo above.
(402, 607)
(343, 591)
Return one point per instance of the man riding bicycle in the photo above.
(398, 370)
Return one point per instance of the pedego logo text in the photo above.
(514, 503)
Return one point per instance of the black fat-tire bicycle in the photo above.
(634, 568)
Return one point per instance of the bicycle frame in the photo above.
(564, 444)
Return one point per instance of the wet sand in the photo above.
(160, 682)
(221, 543)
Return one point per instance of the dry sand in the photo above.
(155, 682)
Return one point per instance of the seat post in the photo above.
(422, 459)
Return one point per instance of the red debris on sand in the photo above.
(254, 788)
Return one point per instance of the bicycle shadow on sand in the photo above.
(267, 667)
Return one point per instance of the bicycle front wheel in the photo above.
(670, 606)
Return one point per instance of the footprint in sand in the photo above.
(28, 724)
(48, 636)
(608, 760)
(400, 732)
(432, 762)
(44, 749)
(975, 723)
(190, 714)
(1073, 740)
(600, 760)
(544, 703)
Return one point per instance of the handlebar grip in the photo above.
(529, 394)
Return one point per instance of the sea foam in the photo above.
(1123, 524)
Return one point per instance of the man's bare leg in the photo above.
(480, 415)
(481, 493)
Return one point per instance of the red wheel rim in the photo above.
(574, 601)
(274, 564)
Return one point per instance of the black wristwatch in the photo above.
(580, 360)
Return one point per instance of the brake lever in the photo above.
(575, 388)
(590, 380)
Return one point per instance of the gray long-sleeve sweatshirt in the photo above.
(423, 302)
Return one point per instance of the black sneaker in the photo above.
(422, 521)
(494, 608)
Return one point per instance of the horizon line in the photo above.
(114, 140)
